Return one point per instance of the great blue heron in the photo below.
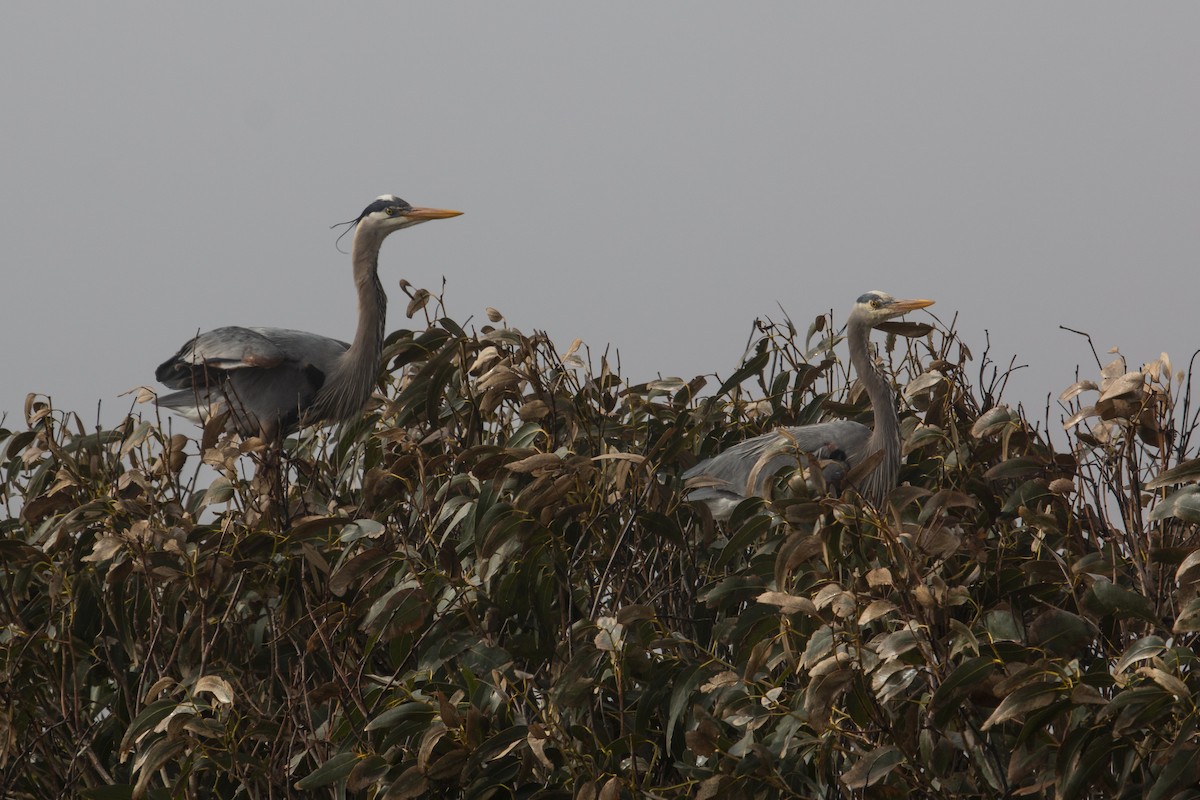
(747, 468)
(275, 380)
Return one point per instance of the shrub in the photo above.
(491, 587)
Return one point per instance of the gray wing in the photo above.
(746, 469)
(264, 376)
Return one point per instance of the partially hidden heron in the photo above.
(832, 448)
(273, 381)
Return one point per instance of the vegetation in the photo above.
(491, 587)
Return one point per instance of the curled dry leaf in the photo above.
(1063, 486)
(923, 384)
(486, 357)
(571, 350)
(500, 376)
(217, 686)
(727, 678)
(788, 603)
(1079, 416)
(611, 635)
(993, 420)
(1075, 389)
(1130, 383)
(420, 299)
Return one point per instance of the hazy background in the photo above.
(650, 175)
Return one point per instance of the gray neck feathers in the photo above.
(886, 434)
(348, 387)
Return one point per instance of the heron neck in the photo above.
(885, 435)
(358, 367)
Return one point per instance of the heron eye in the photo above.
(876, 304)
(391, 211)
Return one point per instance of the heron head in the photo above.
(876, 307)
(389, 213)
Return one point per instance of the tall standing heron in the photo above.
(836, 447)
(274, 380)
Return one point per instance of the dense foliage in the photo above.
(491, 587)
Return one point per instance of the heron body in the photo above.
(274, 380)
(746, 469)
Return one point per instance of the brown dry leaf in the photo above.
(487, 356)
(711, 788)
(611, 790)
(537, 745)
(1130, 383)
(822, 692)
(1063, 486)
(493, 314)
(1167, 681)
(880, 576)
(533, 410)
(500, 376)
(826, 594)
(106, 547)
(217, 686)
(420, 299)
(158, 687)
(1079, 416)
(788, 603)
(923, 384)
(876, 609)
(938, 542)
(571, 350)
(727, 678)
(1075, 389)
(923, 596)
(541, 461)
(1114, 368)
(631, 457)
(844, 605)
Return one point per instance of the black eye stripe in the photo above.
(383, 205)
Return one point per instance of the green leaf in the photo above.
(966, 676)
(751, 367)
(682, 693)
(873, 767)
(1118, 600)
(1182, 771)
(335, 769)
(1025, 495)
(1019, 467)
(1183, 504)
(123, 791)
(751, 531)
(993, 420)
(413, 710)
(1186, 472)
(145, 721)
(1145, 648)
(1087, 754)
(1188, 620)
(1022, 701)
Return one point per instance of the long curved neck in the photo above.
(349, 385)
(886, 433)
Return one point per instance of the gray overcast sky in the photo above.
(650, 175)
